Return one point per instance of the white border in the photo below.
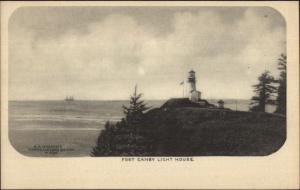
(279, 170)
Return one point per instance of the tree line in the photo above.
(270, 90)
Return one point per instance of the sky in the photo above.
(101, 53)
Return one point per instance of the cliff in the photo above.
(180, 128)
(197, 131)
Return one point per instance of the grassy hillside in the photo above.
(201, 131)
(192, 131)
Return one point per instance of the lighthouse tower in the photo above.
(194, 95)
(192, 81)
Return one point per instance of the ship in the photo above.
(69, 99)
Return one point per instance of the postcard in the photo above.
(109, 89)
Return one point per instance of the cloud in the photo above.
(115, 53)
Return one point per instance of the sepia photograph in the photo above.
(149, 95)
(146, 81)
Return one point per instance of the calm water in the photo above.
(79, 115)
(73, 125)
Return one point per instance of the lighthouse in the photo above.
(192, 98)
(192, 81)
(194, 95)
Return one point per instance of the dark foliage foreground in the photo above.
(193, 132)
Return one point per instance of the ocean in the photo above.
(34, 126)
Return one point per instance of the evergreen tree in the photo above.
(264, 91)
(281, 97)
(123, 138)
(135, 111)
(105, 142)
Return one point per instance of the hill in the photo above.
(191, 131)
(179, 128)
